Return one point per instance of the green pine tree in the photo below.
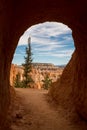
(27, 65)
(46, 82)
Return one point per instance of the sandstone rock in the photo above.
(15, 69)
(39, 71)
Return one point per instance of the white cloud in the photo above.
(41, 33)
(66, 53)
(48, 39)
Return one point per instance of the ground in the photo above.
(34, 111)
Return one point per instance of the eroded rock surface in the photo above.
(38, 73)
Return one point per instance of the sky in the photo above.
(51, 42)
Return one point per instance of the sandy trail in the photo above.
(35, 113)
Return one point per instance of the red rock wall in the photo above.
(62, 90)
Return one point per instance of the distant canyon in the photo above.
(39, 71)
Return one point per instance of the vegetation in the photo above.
(27, 79)
(17, 81)
(47, 82)
(27, 66)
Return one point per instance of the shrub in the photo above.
(47, 82)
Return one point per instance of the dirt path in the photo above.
(35, 113)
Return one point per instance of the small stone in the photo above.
(19, 116)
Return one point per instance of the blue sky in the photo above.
(51, 42)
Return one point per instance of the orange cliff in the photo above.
(15, 69)
(39, 71)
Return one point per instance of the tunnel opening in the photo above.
(52, 46)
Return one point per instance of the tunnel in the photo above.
(17, 16)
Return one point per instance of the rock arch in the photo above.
(17, 16)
